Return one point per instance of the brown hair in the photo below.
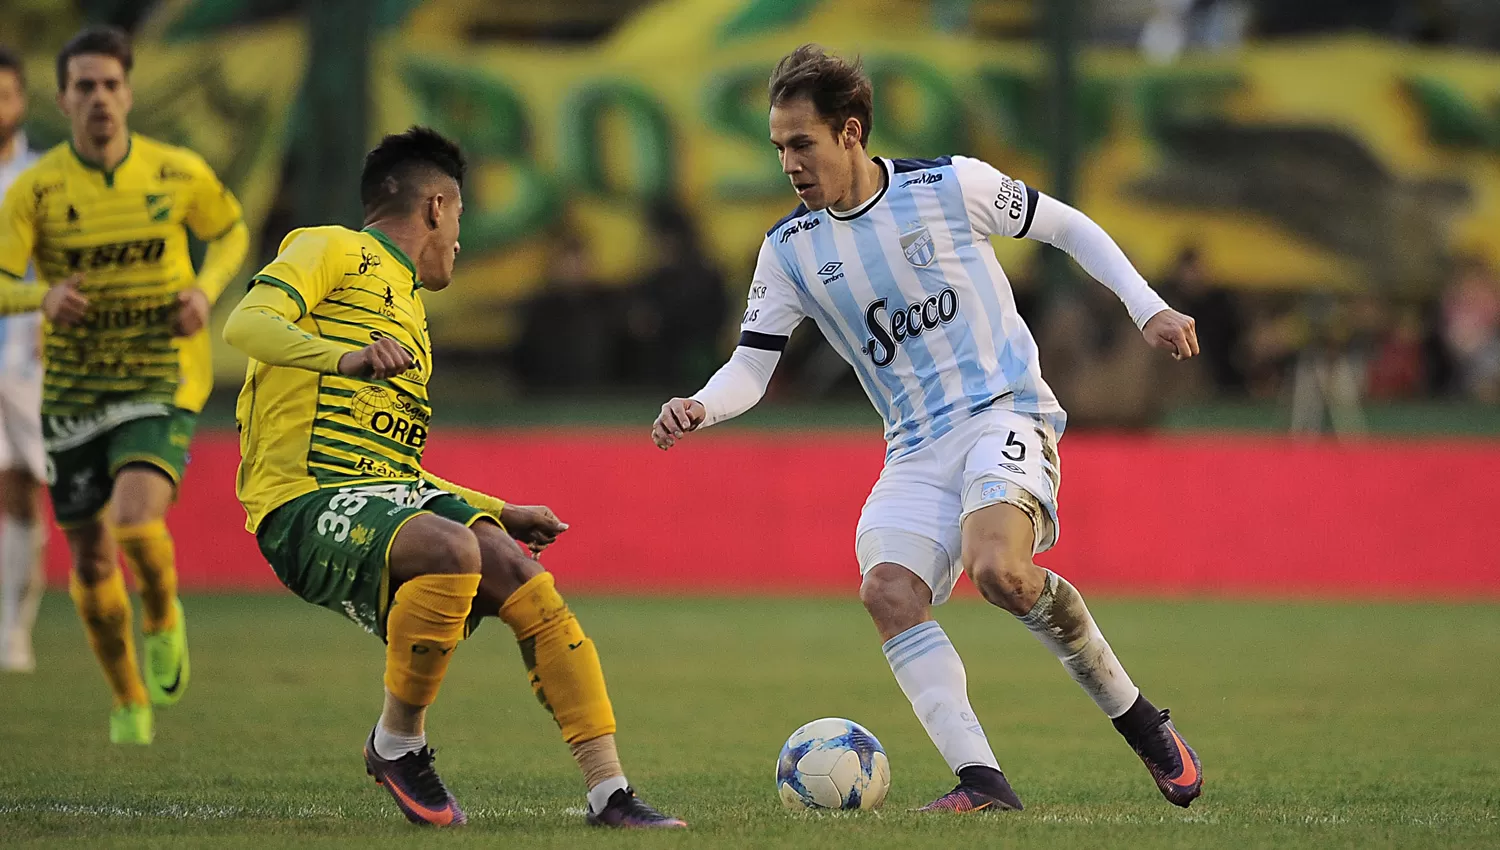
(95, 41)
(839, 89)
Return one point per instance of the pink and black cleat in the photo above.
(1173, 764)
(415, 785)
(979, 789)
(625, 810)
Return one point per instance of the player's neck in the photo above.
(868, 177)
(11, 149)
(106, 156)
(402, 233)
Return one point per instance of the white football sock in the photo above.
(391, 746)
(20, 589)
(932, 676)
(599, 795)
(1063, 624)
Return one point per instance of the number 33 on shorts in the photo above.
(334, 522)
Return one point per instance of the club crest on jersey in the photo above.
(916, 243)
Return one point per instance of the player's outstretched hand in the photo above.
(1172, 331)
(382, 358)
(192, 312)
(678, 416)
(535, 525)
(63, 304)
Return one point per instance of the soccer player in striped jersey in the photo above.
(333, 419)
(22, 459)
(104, 219)
(892, 260)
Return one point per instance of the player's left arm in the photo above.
(1001, 205)
(214, 215)
(535, 525)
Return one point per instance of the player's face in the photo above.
(97, 97)
(12, 105)
(818, 159)
(435, 265)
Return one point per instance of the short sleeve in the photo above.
(213, 209)
(304, 268)
(773, 309)
(17, 230)
(997, 205)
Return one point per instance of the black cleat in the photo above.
(626, 810)
(415, 785)
(979, 788)
(1173, 764)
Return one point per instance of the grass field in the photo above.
(1319, 726)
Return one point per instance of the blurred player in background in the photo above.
(22, 459)
(333, 422)
(105, 220)
(892, 260)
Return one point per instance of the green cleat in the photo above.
(131, 724)
(167, 662)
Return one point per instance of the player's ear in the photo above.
(852, 132)
(433, 211)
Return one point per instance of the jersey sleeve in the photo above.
(773, 309)
(17, 230)
(305, 268)
(997, 205)
(213, 210)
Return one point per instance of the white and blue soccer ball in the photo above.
(833, 763)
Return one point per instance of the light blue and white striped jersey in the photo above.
(19, 335)
(907, 289)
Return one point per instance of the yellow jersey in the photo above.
(126, 231)
(301, 430)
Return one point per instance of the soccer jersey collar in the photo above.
(109, 176)
(885, 183)
(399, 254)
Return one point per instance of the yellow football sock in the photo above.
(564, 665)
(105, 610)
(424, 626)
(149, 551)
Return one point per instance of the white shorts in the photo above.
(914, 516)
(21, 427)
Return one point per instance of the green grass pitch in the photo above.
(1320, 725)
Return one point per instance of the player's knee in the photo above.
(92, 553)
(1005, 577)
(455, 551)
(895, 598)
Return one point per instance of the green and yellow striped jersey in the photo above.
(126, 232)
(301, 431)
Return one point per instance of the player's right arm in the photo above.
(771, 314)
(63, 304)
(264, 323)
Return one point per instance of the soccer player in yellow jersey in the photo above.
(333, 420)
(104, 221)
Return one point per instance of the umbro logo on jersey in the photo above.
(924, 180)
(799, 227)
(169, 173)
(830, 272)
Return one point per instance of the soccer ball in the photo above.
(832, 763)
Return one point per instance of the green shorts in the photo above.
(332, 547)
(81, 476)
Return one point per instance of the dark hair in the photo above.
(95, 41)
(838, 89)
(399, 168)
(11, 61)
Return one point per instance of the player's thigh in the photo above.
(504, 564)
(21, 446)
(147, 459)
(334, 548)
(911, 519)
(1014, 462)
